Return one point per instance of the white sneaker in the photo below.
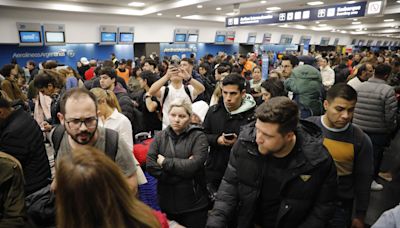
(376, 187)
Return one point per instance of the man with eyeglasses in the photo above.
(79, 117)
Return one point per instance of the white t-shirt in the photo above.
(173, 94)
(121, 124)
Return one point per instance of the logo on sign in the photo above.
(374, 7)
(289, 16)
(306, 14)
(321, 13)
(235, 21)
(297, 15)
(230, 21)
(331, 12)
(282, 16)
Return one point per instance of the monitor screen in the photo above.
(126, 37)
(379, 43)
(29, 37)
(109, 37)
(193, 38)
(369, 42)
(220, 39)
(324, 41)
(385, 43)
(251, 40)
(353, 42)
(55, 37)
(286, 39)
(179, 37)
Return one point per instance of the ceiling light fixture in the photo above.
(230, 14)
(159, 14)
(317, 22)
(316, 3)
(388, 20)
(343, 31)
(322, 25)
(268, 11)
(356, 22)
(350, 2)
(199, 6)
(218, 8)
(136, 4)
(263, 2)
(398, 1)
(273, 8)
(178, 15)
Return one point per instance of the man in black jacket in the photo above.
(279, 173)
(21, 137)
(222, 126)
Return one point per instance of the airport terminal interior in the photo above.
(200, 113)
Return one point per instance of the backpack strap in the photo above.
(358, 135)
(167, 90)
(165, 95)
(111, 146)
(56, 138)
(188, 92)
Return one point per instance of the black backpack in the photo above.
(111, 146)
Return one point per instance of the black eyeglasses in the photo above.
(75, 124)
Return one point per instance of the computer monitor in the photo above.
(30, 37)
(193, 38)
(180, 37)
(251, 40)
(220, 39)
(108, 37)
(126, 37)
(55, 37)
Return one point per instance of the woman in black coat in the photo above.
(176, 158)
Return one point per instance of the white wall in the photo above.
(84, 28)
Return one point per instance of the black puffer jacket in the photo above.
(181, 185)
(307, 193)
(21, 137)
(218, 120)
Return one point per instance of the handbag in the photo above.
(41, 207)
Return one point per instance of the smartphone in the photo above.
(229, 136)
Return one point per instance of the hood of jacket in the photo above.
(306, 72)
(119, 88)
(247, 104)
(307, 133)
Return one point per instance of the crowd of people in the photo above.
(228, 146)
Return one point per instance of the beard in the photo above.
(265, 151)
(83, 137)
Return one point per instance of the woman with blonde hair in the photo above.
(111, 116)
(92, 192)
(176, 158)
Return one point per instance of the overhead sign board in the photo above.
(340, 11)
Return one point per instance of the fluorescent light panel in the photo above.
(316, 3)
(136, 4)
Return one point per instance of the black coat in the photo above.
(218, 121)
(181, 185)
(308, 191)
(21, 137)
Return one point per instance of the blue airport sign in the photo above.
(311, 14)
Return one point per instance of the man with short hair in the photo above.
(9, 84)
(376, 114)
(33, 70)
(352, 152)
(122, 71)
(364, 72)
(176, 89)
(79, 117)
(222, 126)
(246, 65)
(149, 65)
(279, 173)
(288, 63)
(327, 74)
(108, 81)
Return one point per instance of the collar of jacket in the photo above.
(248, 103)
(308, 135)
(377, 80)
(188, 129)
(11, 117)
